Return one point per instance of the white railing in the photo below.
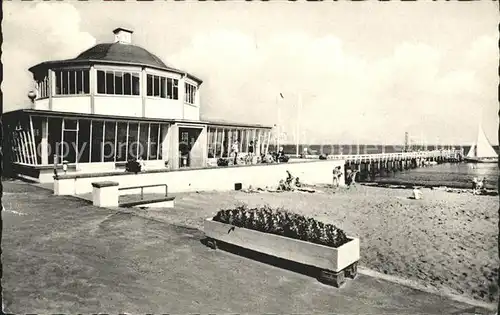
(390, 156)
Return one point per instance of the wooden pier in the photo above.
(370, 166)
(436, 155)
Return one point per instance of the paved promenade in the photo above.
(62, 255)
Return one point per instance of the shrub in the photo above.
(133, 166)
(222, 162)
(283, 223)
(267, 158)
(284, 159)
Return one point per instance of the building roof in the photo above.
(115, 53)
(50, 113)
(122, 52)
(116, 30)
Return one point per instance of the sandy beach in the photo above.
(447, 241)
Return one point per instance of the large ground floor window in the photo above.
(220, 140)
(21, 140)
(83, 140)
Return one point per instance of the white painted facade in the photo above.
(140, 106)
(112, 96)
(71, 103)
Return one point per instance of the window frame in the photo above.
(164, 92)
(53, 86)
(175, 85)
(43, 87)
(188, 84)
(125, 72)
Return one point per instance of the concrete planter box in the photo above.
(335, 263)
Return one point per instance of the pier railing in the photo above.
(393, 156)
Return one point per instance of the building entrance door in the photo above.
(190, 149)
(69, 150)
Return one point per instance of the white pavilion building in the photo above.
(114, 102)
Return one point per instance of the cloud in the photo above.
(417, 87)
(57, 35)
(344, 97)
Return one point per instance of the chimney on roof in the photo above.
(123, 35)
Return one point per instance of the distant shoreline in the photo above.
(291, 149)
(371, 148)
(406, 184)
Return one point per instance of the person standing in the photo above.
(280, 155)
(251, 152)
(474, 185)
(337, 173)
(235, 147)
(353, 178)
(250, 148)
(348, 178)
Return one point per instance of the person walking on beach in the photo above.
(337, 173)
(348, 177)
(351, 178)
(476, 185)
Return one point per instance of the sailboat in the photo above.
(482, 151)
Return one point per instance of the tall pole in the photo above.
(278, 126)
(406, 149)
(299, 108)
(422, 140)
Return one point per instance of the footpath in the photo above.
(63, 255)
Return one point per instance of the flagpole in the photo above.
(278, 125)
(299, 108)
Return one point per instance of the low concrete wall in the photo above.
(105, 194)
(219, 178)
(45, 174)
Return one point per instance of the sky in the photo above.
(362, 72)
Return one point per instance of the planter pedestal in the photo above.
(212, 243)
(352, 271)
(336, 279)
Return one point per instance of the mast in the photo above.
(278, 125)
(297, 130)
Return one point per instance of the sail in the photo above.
(483, 148)
(472, 151)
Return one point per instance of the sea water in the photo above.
(448, 174)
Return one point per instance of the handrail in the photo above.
(145, 186)
(371, 156)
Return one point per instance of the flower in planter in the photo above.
(283, 223)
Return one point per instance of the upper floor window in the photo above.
(172, 88)
(118, 82)
(158, 86)
(70, 82)
(190, 93)
(43, 87)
